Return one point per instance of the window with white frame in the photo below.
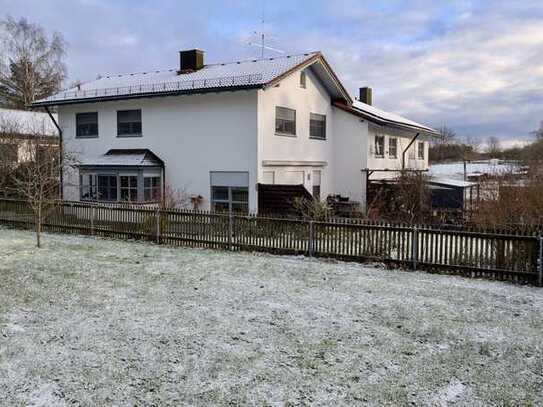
(317, 126)
(420, 150)
(230, 191)
(379, 146)
(285, 121)
(393, 147)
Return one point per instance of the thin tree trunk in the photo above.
(38, 227)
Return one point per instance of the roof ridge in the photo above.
(207, 65)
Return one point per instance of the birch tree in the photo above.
(31, 63)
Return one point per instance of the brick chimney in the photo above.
(366, 95)
(190, 60)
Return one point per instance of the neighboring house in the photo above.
(17, 127)
(218, 131)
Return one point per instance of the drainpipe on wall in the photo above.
(407, 148)
(60, 149)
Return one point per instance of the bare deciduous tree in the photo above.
(31, 63)
(538, 134)
(493, 146)
(37, 177)
(447, 136)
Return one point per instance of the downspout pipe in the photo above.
(407, 148)
(61, 147)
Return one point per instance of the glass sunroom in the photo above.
(122, 176)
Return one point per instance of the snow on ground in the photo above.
(89, 322)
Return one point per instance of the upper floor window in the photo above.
(379, 146)
(303, 80)
(86, 124)
(317, 126)
(285, 121)
(393, 147)
(129, 123)
(420, 150)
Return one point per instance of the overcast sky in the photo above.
(473, 65)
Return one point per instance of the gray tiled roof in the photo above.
(223, 75)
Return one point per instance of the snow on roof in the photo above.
(452, 182)
(222, 75)
(122, 158)
(390, 117)
(455, 170)
(27, 122)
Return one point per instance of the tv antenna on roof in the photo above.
(262, 37)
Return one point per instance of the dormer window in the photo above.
(303, 79)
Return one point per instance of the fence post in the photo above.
(157, 225)
(93, 215)
(540, 263)
(311, 242)
(230, 231)
(414, 247)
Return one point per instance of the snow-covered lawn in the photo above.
(97, 322)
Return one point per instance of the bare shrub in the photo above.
(404, 199)
(312, 209)
(175, 198)
(510, 201)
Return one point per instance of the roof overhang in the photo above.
(145, 95)
(384, 122)
(324, 72)
(132, 158)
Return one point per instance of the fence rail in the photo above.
(473, 253)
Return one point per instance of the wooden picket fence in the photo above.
(515, 257)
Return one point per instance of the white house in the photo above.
(218, 131)
(17, 127)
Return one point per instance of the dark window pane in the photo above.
(379, 146)
(317, 126)
(129, 122)
(317, 192)
(86, 124)
(240, 194)
(219, 193)
(393, 147)
(285, 120)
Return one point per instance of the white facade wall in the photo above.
(350, 151)
(235, 131)
(193, 135)
(387, 162)
(299, 149)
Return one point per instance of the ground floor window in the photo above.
(88, 187)
(118, 185)
(107, 188)
(152, 189)
(230, 191)
(129, 188)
